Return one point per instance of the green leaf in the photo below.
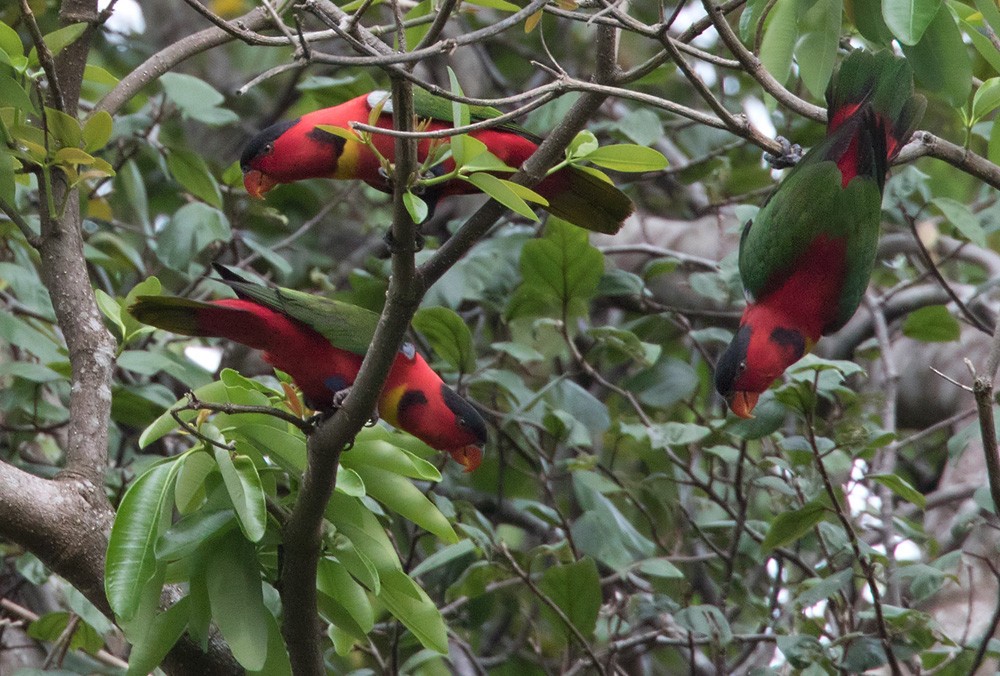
(197, 99)
(983, 45)
(501, 191)
(189, 231)
(97, 131)
(627, 157)
(58, 40)
(444, 556)
(246, 492)
(941, 60)
(582, 145)
(986, 99)
(193, 531)
(993, 150)
(410, 605)
(277, 663)
(112, 310)
(10, 41)
(189, 490)
(576, 589)
(366, 535)
(391, 458)
(932, 324)
(909, 19)
(416, 207)
(962, 218)
(191, 171)
(789, 526)
(333, 579)
(50, 626)
(816, 52)
(900, 487)
(164, 631)
(416, 33)
(706, 621)
(560, 273)
(131, 557)
(7, 187)
(460, 114)
(14, 95)
(659, 568)
(990, 12)
(448, 335)
(401, 496)
(237, 599)
(780, 36)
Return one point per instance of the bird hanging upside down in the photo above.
(806, 259)
(320, 343)
(299, 149)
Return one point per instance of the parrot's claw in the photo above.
(340, 396)
(394, 247)
(790, 155)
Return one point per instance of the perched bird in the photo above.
(320, 343)
(298, 149)
(805, 260)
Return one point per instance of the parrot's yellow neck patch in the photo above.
(390, 405)
(347, 163)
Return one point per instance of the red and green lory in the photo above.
(805, 260)
(320, 343)
(298, 149)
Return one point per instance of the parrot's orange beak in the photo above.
(468, 456)
(257, 183)
(742, 403)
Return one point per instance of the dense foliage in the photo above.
(621, 522)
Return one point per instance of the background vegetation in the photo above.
(621, 522)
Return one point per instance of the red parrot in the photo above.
(805, 260)
(298, 149)
(320, 343)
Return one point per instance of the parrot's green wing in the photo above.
(347, 327)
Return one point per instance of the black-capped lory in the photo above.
(299, 149)
(320, 343)
(806, 259)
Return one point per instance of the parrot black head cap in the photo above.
(466, 415)
(258, 145)
(732, 362)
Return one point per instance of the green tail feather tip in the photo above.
(591, 203)
(179, 315)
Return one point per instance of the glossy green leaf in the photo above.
(941, 60)
(58, 40)
(193, 531)
(627, 157)
(787, 527)
(780, 36)
(350, 483)
(111, 310)
(908, 19)
(164, 631)
(501, 191)
(986, 99)
(560, 274)
(983, 45)
(869, 21)
(365, 533)
(990, 12)
(932, 324)
(131, 557)
(191, 228)
(410, 605)
(704, 620)
(659, 568)
(993, 150)
(816, 52)
(277, 662)
(401, 496)
(960, 216)
(449, 335)
(97, 131)
(286, 448)
(416, 207)
(13, 94)
(444, 556)
(65, 129)
(189, 490)
(192, 172)
(237, 599)
(50, 626)
(901, 487)
(576, 589)
(391, 458)
(246, 492)
(333, 580)
(10, 41)
(7, 187)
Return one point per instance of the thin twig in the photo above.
(45, 57)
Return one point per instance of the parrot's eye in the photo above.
(269, 148)
(742, 367)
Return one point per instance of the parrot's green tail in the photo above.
(588, 201)
(884, 82)
(179, 315)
